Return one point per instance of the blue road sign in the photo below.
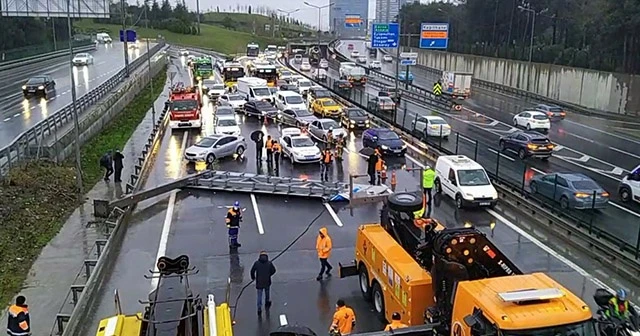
(385, 35)
(131, 35)
(408, 62)
(434, 35)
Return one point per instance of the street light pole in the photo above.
(153, 105)
(319, 8)
(533, 30)
(124, 35)
(74, 106)
(288, 14)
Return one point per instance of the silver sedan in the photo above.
(320, 128)
(216, 147)
(297, 118)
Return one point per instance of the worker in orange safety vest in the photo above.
(18, 320)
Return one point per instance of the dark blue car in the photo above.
(385, 140)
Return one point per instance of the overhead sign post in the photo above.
(434, 35)
(385, 35)
(408, 59)
(352, 21)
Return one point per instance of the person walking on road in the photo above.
(259, 145)
(106, 162)
(233, 219)
(18, 320)
(268, 145)
(117, 165)
(396, 323)
(344, 319)
(277, 150)
(372, 162)
(261, 272)
(324, 246)
(327, 159)
(428, 178)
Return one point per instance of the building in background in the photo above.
(343, 9)
(388, 10)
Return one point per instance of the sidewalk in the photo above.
(60, 262)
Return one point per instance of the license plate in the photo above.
(397, 150)
(309, 157)
(485, 203)
(184, 124)
(32, 90)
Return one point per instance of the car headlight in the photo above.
(352, 121)
(384, 147)
(404, 146)
(468, 196)
(41, 87)
(24, 87)
(204, 87)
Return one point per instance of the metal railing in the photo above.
(11, 64)
(511, 172)
(29, 143)
(39, 51)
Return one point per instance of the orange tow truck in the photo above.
(455, 281)
(185, 104)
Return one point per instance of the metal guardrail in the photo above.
(22, 148)
(47, 56)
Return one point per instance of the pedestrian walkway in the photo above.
(62, 259)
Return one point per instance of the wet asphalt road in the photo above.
(18, 114)
(575, 155)
(192, 223)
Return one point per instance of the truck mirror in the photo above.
(470, 320)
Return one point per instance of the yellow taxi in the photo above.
(326, 108)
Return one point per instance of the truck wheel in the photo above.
(405, 201)
(378, 301)
(364, 283)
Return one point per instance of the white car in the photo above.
(134, 45)
(532, 120)
(303, 86)
(297, 147)
(82, 59)
(227, 125)
(361, 59)
(305, 66)
(629, 189)
(289, 100)
(234, 100)
(184, 52)
(355, 54)
(323, 64)
(216, 90)
(387, 58)
(431, 126)
(376, 65)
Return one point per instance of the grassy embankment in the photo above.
(38, 197)
(212, 37)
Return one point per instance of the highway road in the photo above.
(577, 153)
(192, 223)
(18, 114)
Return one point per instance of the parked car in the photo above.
(552, 111)
(385, 140)
(431, 126)
(527, 144)
(381, 104)
(320, 128)
(570, 190)
(299, 148)
(215, 147)
(40, 85)
(260, 109)
(532, 120)
(354, 118)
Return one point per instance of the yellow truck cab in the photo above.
(455, 281)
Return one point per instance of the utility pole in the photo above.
(198, 14)
(124, 33)
(153, 105)
(74, 105)
(533, 30)
(398, 56)
(319, 8)
(53, 30)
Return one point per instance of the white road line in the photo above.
(603, 132)
(502, 155)
(580, 137)
(7, 119)
(333, 214)
(538, 170)
(625, 209)
(166, 226)
(16, 115)
(283, 320)
(626, 153)
(254, 202)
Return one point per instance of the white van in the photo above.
(253, 88)
(465, 181)
(103, 38)
(289, 100)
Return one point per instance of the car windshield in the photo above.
(388, 136)
(206, 142)
(386, 100)
(294, 100)
(209, 83)
(586, 328)
(555, 109)
(227, 122)
(263, 105)
(356, 113)
(298, 56)
(473, 177)
(540, 117)
(303, 113)
(329, 124)
(585, 185)
(224, 110)
(36, 80)
(304, 84)
(261, 92)
(302, 142)
(218, 87)
(437, 121)
(184, 105)
(322, 94)
(285, 73)
(235, 97)
(82, 55)
(329, 103)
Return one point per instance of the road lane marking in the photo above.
(538, 171)
(579, 137)
(603, 132)
(283, 320)
(624, 209)
(166, 226)
(502, 155)
(254, 202)
(333, 215)
(626, 153)
(7, 119)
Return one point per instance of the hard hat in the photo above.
(331, 128)
(236, 204)
(621, 294)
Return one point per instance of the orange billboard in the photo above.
(434, 34)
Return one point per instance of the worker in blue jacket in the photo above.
(233, 219)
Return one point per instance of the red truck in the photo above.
(185, 105)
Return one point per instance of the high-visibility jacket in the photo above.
(419, 213)
(395, 325)
(276, 148)
(428, 176)
(379, 165)
(324, 244)
(269, 143)
(233, 218)
(344, 319)
(18, 321)
(327, 157)
(620, 309)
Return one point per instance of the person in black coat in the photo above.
(117, 165)
(259, 145)
(261, 273)
(371, 167)
(106, 162)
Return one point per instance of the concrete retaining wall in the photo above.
(604, 91)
